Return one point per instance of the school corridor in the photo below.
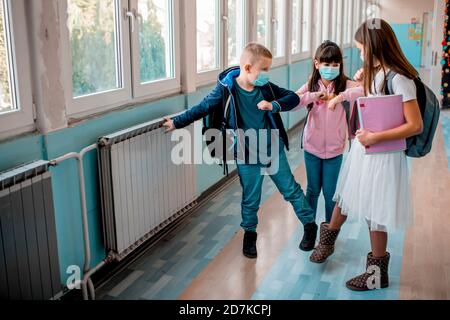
(203, 260)
(94, 204)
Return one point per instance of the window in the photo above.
(221, 36)
(155, 62)
(16, 111)
(96, 46)
(271, 27)
(296, 27)
(236, 30)
(364, 10)
(347, 22)
(155, 40)
(117, 51)
(278, 28)
(357, 14)
(262, 21)
(208, 35)
(7, 103)
(301, 28)
(336, 21)
(93, 31)
(326, 11)
(306, 26)
(318, 25)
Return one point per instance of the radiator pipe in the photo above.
(86, 283)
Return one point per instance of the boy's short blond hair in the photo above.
(255, 51)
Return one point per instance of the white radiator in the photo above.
(142, 190)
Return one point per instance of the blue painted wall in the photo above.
(65, 178)
(411, 48)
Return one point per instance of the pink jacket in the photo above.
(326, 131)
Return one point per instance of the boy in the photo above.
(249, 88)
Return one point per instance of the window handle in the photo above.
(226, 20)
(131, 15)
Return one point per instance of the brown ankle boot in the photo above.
(368, 281)
(325, 248)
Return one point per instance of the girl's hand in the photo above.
(321, 95)
(265, 106)
(169, 125)
(366, 137)
(359, 76)
(334, 102)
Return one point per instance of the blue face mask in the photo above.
(262, 80)
(329, 73)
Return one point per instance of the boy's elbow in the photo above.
(295, 99)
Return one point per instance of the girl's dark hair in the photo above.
(329, 52)
(380, 42)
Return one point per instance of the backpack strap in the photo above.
(389, 87)
(348, 116)
(310, 107)
(224, 135)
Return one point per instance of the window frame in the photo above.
(244, 26)
(22, 120)
(270, 31)
(317, 23)
(210, 76)
(303, 54)
(325, 19)
(348, 14)
(106, 100)
(357, 14)
(336, 21)
(161, 87)
(363, 10)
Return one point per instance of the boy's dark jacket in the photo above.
(282, 99)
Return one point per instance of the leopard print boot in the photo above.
(375, 277)
(325, 248)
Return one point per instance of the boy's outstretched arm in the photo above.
(211, 101)
(285, 100)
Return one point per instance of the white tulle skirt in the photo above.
(375, 189)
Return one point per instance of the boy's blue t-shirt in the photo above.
(250, 117)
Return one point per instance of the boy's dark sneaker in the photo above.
(249, 248)
(309, 237)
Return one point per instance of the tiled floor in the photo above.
(166, 271)
(169, 269)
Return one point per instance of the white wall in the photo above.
(401, 11)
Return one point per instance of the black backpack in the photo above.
(218, 119)
(420, 145)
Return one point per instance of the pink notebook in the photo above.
(380, 114)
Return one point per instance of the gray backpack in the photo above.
(420, 145)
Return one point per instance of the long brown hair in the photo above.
(328, 52)
(380, 42)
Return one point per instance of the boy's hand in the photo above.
(168, 124)
(265, 106)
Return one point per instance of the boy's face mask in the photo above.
(329, 73)
(262, 79)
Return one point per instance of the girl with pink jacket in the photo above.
(326, 130)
